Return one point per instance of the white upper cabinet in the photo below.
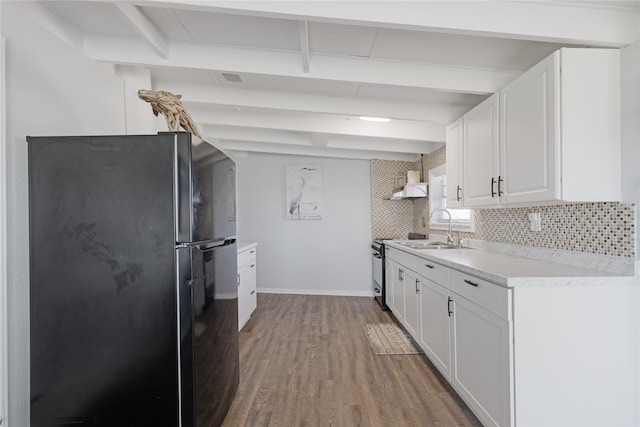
(480, 154)
(527, 136)
(551, 135)
(455, 166)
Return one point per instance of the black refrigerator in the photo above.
(133, 290)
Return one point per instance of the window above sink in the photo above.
(462, 219)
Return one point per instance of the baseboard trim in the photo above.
(329, 292)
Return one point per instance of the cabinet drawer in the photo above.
(433, 271)
(405, 259)
(246, 257)
(493, 297)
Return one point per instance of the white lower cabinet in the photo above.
(481, 367)
(389, 283)
(434, 324)
(555, 352)
(247, 284)
(463, 324)
(397, 278)
(411, 302)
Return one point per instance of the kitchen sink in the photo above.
(427, 245)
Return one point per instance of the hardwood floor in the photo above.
(305, 361)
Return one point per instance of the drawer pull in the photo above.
(252, 265)
(428, 265)
(471, 283)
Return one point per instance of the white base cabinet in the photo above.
(481, 368)
(247, 284)
(434, 325)
(463, 324)
(411, 302)
(553, 351)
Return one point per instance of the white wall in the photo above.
(50, 90)
(631, 130)
(328, 256)
(631, 178)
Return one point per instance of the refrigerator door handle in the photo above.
(208, 245)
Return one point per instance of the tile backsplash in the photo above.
(391, 219)
(596, 228)
(606, 228)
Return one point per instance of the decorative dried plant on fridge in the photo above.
(170, 106)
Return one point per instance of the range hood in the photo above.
(410, 191)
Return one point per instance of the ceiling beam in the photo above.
(313, 103)
(275, 136)
(257, 147)
(564, 22)
(264, 119)
(144, 27)
(287, 64)
(303, 26)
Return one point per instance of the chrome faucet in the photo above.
(449, 235)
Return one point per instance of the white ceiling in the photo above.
(309, 69)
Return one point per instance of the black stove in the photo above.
(378, 272)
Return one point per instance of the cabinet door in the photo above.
(455, 165)
(434, 324)
(528, 135)
(243, 299)
(251, 284)
(411, 302)
(247, 282)
(389, 282)
(481, 361)
(481, 160)
(398, 291)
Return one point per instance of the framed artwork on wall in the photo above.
(303, 192)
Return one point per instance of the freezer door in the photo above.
(206, 191)
(209, 333)
(102, 282)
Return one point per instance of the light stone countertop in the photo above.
(511, 271)
(244, 246)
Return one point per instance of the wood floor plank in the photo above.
(305, 361)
